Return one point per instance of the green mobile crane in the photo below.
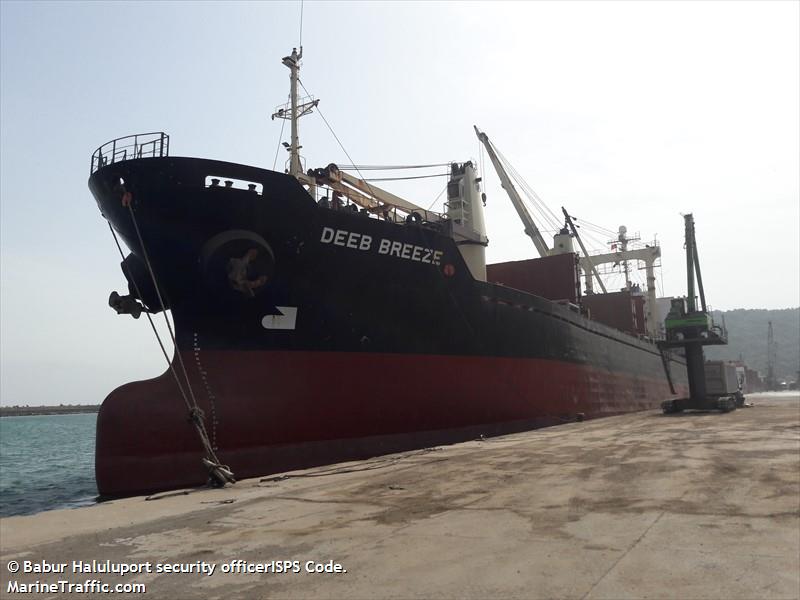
(691, 329)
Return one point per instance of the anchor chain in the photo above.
(210, 394)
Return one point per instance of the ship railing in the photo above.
(140, 145)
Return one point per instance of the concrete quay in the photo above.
(696, 505)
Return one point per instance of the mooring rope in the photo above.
(152, 324)
(219, 474)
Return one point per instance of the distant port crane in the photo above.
(772, 352)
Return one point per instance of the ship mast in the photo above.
(292, 112)
(293, 62)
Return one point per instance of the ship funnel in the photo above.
(465, 210)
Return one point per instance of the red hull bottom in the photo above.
(269, 412)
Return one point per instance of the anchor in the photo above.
(126, 305)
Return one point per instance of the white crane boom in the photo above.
(530, 227)
(387, 197)
(366, 195)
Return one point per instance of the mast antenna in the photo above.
(301, 27)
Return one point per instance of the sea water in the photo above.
(46, 462)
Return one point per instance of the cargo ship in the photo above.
(317, 318)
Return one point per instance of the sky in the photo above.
(627, 113)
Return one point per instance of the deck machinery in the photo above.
(691, 329)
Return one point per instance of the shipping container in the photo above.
(552, 277)
(622, 310)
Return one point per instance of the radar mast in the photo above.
(292, 111)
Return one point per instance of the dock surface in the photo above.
(696, 505)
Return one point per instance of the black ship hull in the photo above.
(341, 336)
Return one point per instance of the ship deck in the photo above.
(701, 505)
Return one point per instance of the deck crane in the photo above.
(463, 219)
(369, 196)
(588, 264)
(530, 227)
(691, 328)
(588, 261)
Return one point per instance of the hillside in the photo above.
(747, 335)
